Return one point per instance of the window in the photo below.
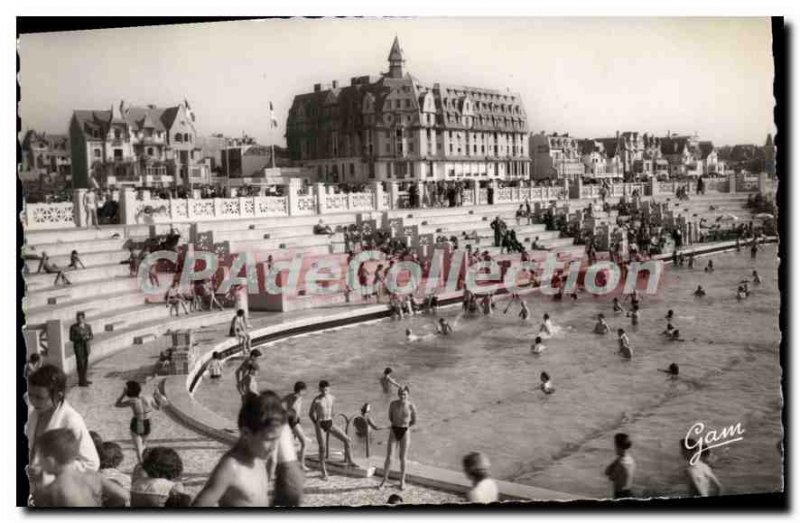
(411, 147)
(150, 151)
(408, 103)
(186, 137)
(352, 169)
(117, 154)
(97, 153)
(178, 137)
(116, 134)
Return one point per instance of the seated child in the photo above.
(110, 459)
(156, 479)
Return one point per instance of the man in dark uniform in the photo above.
(80, 334)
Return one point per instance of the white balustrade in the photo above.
(49, 215)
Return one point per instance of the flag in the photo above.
(272, 120)
(188, 109)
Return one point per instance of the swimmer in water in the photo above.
(699, 293)
(410, 336)
(671, 371)
(387, 381)
(740, 293)
(514, 298)
(676, 336)
(691, 261)
(670, 315)
(547, 325)
(537, 346)
(670, 329)
(756, 278)
(487, 304)
(444, 328)
(625, 349)
(546, 386)
(633, 314)
(524, 313)
(617, 307)
(601, 327)
(710, 266)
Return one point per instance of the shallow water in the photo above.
(478, 389)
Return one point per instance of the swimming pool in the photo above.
(478, 390)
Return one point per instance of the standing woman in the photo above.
(80, 334)
(142, 407)
(402, 416)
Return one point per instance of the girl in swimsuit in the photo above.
(140, 422)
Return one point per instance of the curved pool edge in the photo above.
(176, 392)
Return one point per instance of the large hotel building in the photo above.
(395, 128)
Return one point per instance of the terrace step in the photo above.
(82, 246)
(101, 303)
(73, 234)
(78, 291)
(43, 280)
(89, 259)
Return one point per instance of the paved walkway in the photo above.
(200, 453)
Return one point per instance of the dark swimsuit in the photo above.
(326, 424)
(399, 432)
(145, 426)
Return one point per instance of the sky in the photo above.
(589, 77)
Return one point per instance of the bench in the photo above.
(109, 327)
(140, 340)
(53, 300)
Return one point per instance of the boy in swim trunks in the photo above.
(240, 372)
(621, 470)
(294, 405)
(321, 415)
(240, 478)
(402, 416)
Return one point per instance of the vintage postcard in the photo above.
(421, 261)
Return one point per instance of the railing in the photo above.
(49, 215)
(306, 205)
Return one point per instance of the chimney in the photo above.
(334, 84)
(317, 88)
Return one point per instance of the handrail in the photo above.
(328, 434)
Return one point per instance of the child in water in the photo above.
(671, 371)
(601, 327)
(700, 292)
(625, 349)
(547, 325)
(524, 313)
(633, 314)
(537, 346)
(617, 307)
(756, 278)
(546, 386)
(710, 266)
